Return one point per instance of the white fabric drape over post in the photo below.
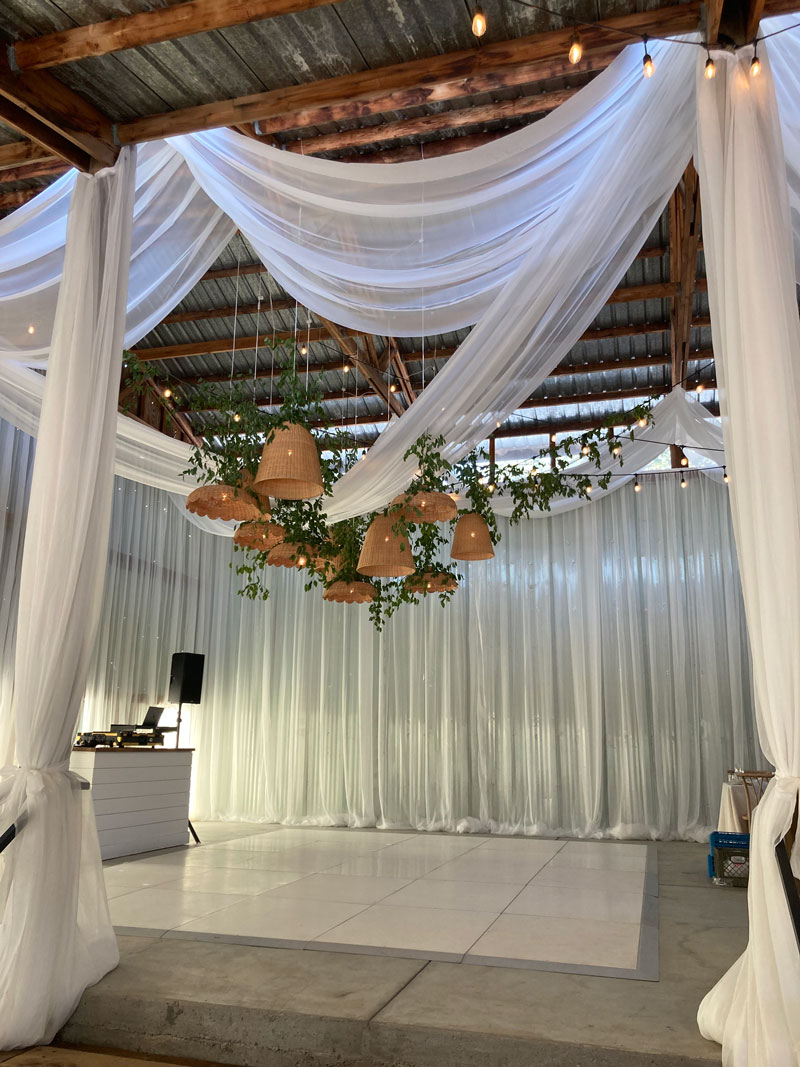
(754, 1011)
(55, 932)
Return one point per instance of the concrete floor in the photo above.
(266, 1007)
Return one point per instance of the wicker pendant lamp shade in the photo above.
(223, 502)
(261, 536)
(288, 554)
(350, 592)
(432, 582)
(289, 467)
(425, 507)
(385, 553)
(471, 539)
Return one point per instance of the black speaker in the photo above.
(186, 678)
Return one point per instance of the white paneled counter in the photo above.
(141, 796)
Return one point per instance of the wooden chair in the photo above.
(755, 785)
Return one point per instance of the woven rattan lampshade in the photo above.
(350, 592)
(471, 539)
(432, 582)
(425, 507)
(261, 536)
(223, 502)
(289, 467)
(288, 554)
(385, 554)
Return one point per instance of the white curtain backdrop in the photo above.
(55, 931)
(629, 697)
(754, 1011)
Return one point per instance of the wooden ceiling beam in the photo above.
(16, 153)
(503, 110)
(149, 27)
(605, 366)
(217, 346)
(349, 347)
(45, 136)
(16, 198)
(202, 314)
(67, 113)
(755, 12)
(713, 19)
(423, 76)
(44, 168)
(217, 273)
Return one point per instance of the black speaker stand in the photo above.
(192, 830)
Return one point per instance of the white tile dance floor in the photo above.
(586, 907)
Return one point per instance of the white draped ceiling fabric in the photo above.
(526, 238)
(55, 930)
(754, 1011)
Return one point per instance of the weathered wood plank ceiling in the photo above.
(366, 80)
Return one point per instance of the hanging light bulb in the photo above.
(346, 368)
(684, 483)
(648, 66)
(491, 487)
(237, 417)
(392, 388)
(575, 49)
(711, 70)
(684, 461)
(699, 387)
(167, 393)
(755, 65)
(616, 450)
(636, 487)
(31, 329)
(725, 476)
(587, 488)
(301, 561)
(303, 350)
(478, 23)
(585, 450)
(642, 423)
(552, 438)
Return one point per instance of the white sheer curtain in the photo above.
(594, 678)
(754, 1011)
(55, 931)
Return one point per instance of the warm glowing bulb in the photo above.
(392, 388)
(588, 488)
(303, 350)
(616, 451)
(472, 533)
(31, 329)
(642, 423)
(301, 561)
(552, 438)
(684, 483)
(491, 487)
(636, 487)
(430, 585)
(224, 496)
(710, 71)
(288, 451)
(386, 538)
(478, 23)
(725, 476)
(575, 49)
(237, 417)
(167, 394)
(755, 67)
(684, 461)
(585, 450)
(648, 66)
(422, 503)
(482, 481)
(699, 387)
(346, 368)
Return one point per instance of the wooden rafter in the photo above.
(65, 112)
(684, 228)
(755, 12)
(149, 27)
(16, 153)
(423, 76)
(536, 104)
(45, 136)
(16, 198)
(349, 347)
(44, 168)
(220, 345)
(713, 19)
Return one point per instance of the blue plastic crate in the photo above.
(729, 862)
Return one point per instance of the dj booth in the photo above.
(141, 796)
